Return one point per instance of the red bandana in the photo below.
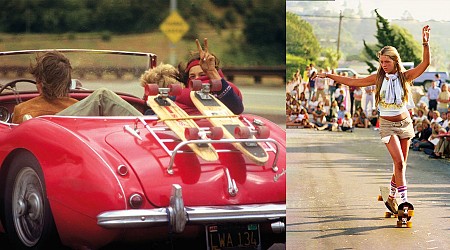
(192, 64)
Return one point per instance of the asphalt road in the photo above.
(333, 182)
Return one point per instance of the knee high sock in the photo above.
(392, 190)
(402, 191)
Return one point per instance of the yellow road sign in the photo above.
(174, 27)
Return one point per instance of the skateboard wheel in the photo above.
(216, 133)
(175, 89)
(410, 213)
(409, 224)
(242, 132)
(216, 85)
(191, 133)
(380, 198)
(262, 132)
(196, 85)
(151, 89)
(387, 214)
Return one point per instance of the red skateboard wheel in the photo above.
(215, 85)
(175, 89)
(196, 85)
(151, 89)
(216, 133)
(191, 133)
(242, 132)
(262, 132)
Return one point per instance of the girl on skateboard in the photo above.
(393, 97)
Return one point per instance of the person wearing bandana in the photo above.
(393, 98)
(204, 66)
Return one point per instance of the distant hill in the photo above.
(354, 30)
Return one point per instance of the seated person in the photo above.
(205, 66)
(347, 123)
(163, 75)
(319, 115)
(53, 79)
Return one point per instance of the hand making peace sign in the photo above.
(207, 60)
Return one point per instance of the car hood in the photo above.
(204, 183)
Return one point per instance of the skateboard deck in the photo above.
(179, 121)
(405, 212)
(384, 194)
(220, 116)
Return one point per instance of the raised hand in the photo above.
(207, 60)
(426, 34)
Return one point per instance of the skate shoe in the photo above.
(392, 205)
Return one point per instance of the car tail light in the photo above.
(136, 200)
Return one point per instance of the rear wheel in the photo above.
(28, 218)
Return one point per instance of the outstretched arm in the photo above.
(354, 82)
(417, 71)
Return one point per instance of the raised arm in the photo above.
(417, 71)
(354, 82)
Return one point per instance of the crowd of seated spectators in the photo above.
(327, 104)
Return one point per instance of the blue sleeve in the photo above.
(229, 98)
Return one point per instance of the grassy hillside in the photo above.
(155, 42)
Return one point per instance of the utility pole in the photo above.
(339, 33)
(172, 53)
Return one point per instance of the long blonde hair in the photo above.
(163, 75)
(392, 53)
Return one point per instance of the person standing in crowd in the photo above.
(393, 85)
(432, 94)
(312, 80)
(357, 94)
(320, 88)
(369, 99)
(438, 80)
(443, 99)
(331, 85)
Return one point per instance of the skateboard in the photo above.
(233, 128)
(405, 212)
(180, 122)
(384, 194)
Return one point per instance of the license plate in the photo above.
(234, 236)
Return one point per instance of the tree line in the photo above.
(262, 21)
(303, 46)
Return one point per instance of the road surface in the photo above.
(333, 181)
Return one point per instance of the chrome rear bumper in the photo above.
(177, 216)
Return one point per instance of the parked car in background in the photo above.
(428, 77)
(349, 71)
(85, 182)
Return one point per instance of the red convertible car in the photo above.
(87, 182)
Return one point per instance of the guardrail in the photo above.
(257, 72)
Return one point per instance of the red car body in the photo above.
(108, 179)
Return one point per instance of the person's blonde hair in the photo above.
(392, 53)
(163, 75)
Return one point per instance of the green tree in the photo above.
(302, 45)
(398, 37)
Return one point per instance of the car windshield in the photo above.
(116, 70)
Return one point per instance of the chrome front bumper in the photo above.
(177, 215)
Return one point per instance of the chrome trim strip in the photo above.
(195, 215)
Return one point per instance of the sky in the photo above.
(421, 10)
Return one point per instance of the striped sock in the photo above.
(403, 192)
(393, 190)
